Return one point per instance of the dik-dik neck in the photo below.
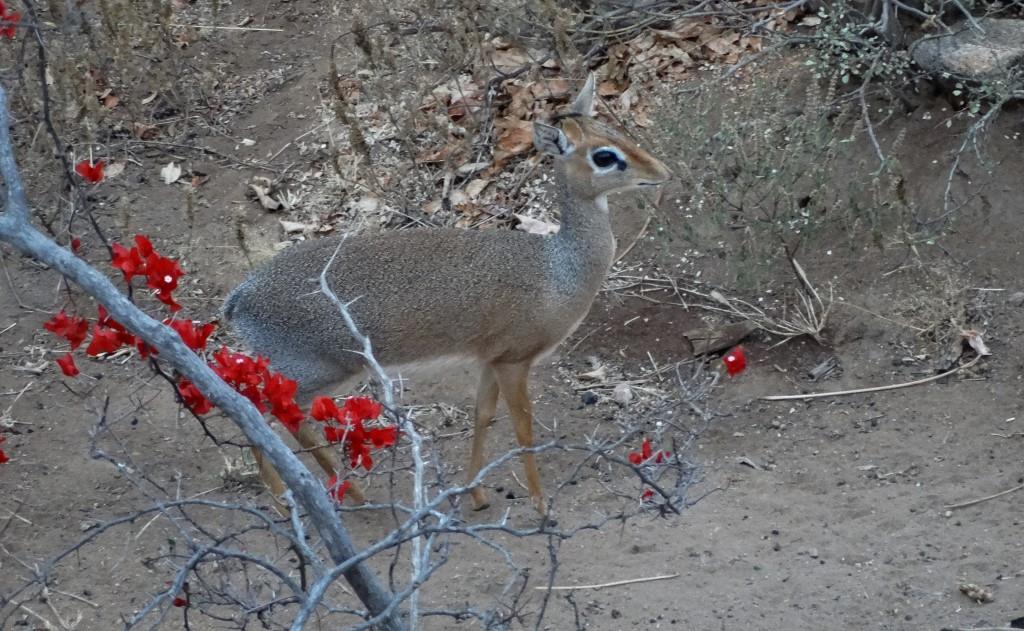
(584, 245)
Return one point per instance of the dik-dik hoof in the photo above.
(479, 498)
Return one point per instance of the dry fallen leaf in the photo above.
(431, 207)
(476, 187)
(143, 131)
(556, 88)
(535, 226)
(149, 99)
(608, 88)
(723, 45)
(622, 394)
(366, 204)
(292, 227)
(435, 156)
(974, 339)
(170, 173)
(263, 195)
(517, 136)
(113, 169)
(471, 168)
(109, 99)
(509, 60)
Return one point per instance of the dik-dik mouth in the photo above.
(665, 181)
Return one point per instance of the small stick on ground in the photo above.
(76, 597)
(979, 629)
(628, 581)
(984, 499)
(895, 386)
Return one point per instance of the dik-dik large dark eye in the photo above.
(605, 158)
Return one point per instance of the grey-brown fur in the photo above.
(421, 294)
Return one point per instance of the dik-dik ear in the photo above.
(584, 102)
(551, 140)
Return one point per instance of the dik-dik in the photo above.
(500, 297)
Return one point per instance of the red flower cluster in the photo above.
(195, 337)
(254, 380)
(109, 335)
(250, 376)
(8, 21)
(67, 365)
(336, 489)
(161, 273)
(73, 328)
(646, 455)
(345, 425)
(89, 171)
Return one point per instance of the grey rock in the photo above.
(971, 54)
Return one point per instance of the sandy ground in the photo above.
(841, 525)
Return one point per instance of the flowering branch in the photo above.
(16, 229)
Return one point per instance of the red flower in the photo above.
(383, 436)
(76, 244)
(104, 320)
(280, 393)
(144, 245)
(324, 409)
(180, 602)
(334, 434)
(92, 173)
(362, 408)
(242, 372)
(193, 398)
(145, 350)
(108, 335)
(193, 336)
(105, 340)
(128, 261)
(162, 275)
(645, 454)
(336, 490)
(9, 21)
(73, 329)
(358, 452)
(67, 365)
(647, 494)
(735, 361)
(3, 457)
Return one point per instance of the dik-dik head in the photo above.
(597, 159)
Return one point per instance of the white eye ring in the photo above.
(619, 163)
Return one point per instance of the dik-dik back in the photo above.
(501, 297)
(418, 294)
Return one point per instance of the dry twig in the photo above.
(895, 386)
(628, 581)
(984, 499)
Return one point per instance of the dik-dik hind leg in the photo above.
(486, 406)
(513, 380)
(308, 438)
